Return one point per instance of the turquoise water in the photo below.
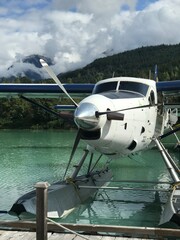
(31, 156)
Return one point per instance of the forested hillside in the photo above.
(15, 113)
(136, 63)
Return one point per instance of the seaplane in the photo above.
(117, 117)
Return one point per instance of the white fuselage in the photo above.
(136, 99)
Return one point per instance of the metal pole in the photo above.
(170, 168)
(126, 188)
(41, 210)
(78, 167)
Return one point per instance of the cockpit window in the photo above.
(127, 86)
(133, 87)
(105, 87)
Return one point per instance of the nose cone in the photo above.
(85, 116)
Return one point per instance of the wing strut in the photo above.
(171, 165)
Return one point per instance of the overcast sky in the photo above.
(75, 32)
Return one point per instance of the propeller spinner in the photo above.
(85, 116)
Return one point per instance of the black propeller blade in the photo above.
(76, 142)
(68, 116)
(120, 116)
(115, 116)
(170, 132)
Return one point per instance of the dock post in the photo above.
(41, 210)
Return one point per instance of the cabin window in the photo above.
(105, 87)
(134, 87)
(152, 98)
(142, 130)
(132, 145)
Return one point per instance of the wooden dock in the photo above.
(20, 235)
(27, 230)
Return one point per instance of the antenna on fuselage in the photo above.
(150, 74)
(156, 73)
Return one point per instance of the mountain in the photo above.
(28, 67)
(139, 62)
(34, 59)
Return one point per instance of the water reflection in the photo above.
(119, 208)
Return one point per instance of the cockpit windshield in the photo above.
(125, 86)
(133, 87)
(105, 87)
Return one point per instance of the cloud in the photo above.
(75, 32)
(99, 8)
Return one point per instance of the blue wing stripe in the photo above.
(168, 86)
(45, 88)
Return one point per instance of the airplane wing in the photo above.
(9, 90)
(171, 92)
(15, 90)
(169, 87)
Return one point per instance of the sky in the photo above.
(76, 32)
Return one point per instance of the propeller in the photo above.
(114, 115)
(76, 142)
(87, 115)
(170, 132)
(68, 116)
(54, 77)
(64, 115)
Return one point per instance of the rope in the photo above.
(67, 229)
(71, 181)
(174, 186)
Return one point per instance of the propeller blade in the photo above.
(115, 116)
(170, 132)
(68, 116)
(107, 112)
(54, 77)
(76, 142)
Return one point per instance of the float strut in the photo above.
(78, 167)
(167, 161)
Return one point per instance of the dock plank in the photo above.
(108, 238)
(58, 236)
(91, 237)
(12, 235)
(21, 235)
(55, 236)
